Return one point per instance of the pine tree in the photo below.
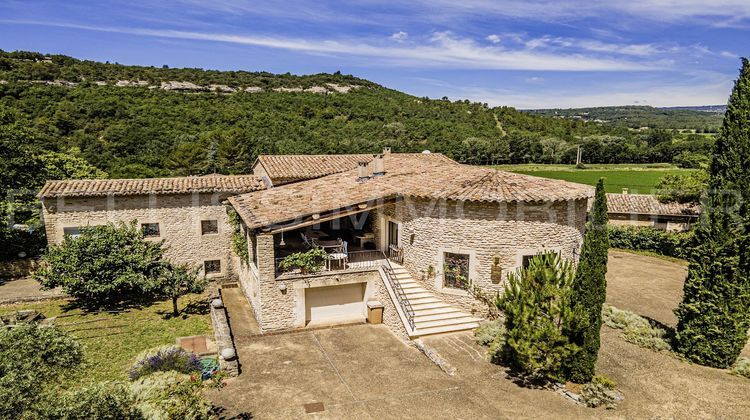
(590, 289)
(714, 316)
(537, 307)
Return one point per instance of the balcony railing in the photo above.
(355, 260)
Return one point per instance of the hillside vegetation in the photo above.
(147, 126)
(684, 118)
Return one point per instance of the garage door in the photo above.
(334, 304)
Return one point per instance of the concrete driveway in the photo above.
(364, 371)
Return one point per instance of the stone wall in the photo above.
(491, 234)
(222, 334)
(179, 217)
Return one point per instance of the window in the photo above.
(456, 270)
(73, 231)
(212, 266)
(526, 260)
(150, 230)
(209, 226)
(392, 233)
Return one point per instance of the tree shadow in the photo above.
(221, 413)
(199, 307)
(670, 331)
(124, 303)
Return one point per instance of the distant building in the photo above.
(646, 210)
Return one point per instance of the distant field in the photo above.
(637, 178)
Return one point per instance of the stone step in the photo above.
(446, 329)
(428, 299)
(435, 314)
(427, 306)
(417, 294)
(464, 319)
(412, 286)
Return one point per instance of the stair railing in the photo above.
(403, 301)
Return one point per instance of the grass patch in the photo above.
(637, 329)
(675, 260)
(638, 179)
(742, 367)
(113, 340)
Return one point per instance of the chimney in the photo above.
(386, 150)
(363, 171)
(624, 190)
(378, 165)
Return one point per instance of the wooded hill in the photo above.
(133, 121)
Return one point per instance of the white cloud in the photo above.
(714, 12)
(495, 39)
(399, 36)
(442, 49)
(699, 90)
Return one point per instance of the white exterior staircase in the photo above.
(431, 315)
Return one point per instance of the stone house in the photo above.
(646, 210)
(416, 235)
(187, 213)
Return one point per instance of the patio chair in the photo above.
(341, 255)
(308, 241)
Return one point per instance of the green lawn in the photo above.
(637, 178)
(112, 340)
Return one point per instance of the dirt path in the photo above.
(648, 286)
(25, 289)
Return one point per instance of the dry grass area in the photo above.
(648, 286)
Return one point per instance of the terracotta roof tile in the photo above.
(283, 169)
(235, 184)
(413, 175)
(648, 204)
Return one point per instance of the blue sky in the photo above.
(528, 54)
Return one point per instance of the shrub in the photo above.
(309, 261)
(538, 309)
(105, 400)
(600, 391)
(636, 329)
(742, 367)
(671, 244)
(165, 358)
(170, 395)
(104, 264)
(239, 239)
(31, 358)
(498, 351)
(488, 331)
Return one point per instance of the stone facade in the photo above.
(279, 303)
(179, 217)
(491, 234)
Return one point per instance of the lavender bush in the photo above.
(162, 359)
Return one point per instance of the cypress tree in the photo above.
(590, 289)
(714, 316)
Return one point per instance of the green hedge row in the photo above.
(671, 244)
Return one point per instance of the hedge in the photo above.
(671, 244)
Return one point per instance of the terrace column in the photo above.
(266, 267)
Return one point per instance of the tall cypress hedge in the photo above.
(714, 316)
(590, 289)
